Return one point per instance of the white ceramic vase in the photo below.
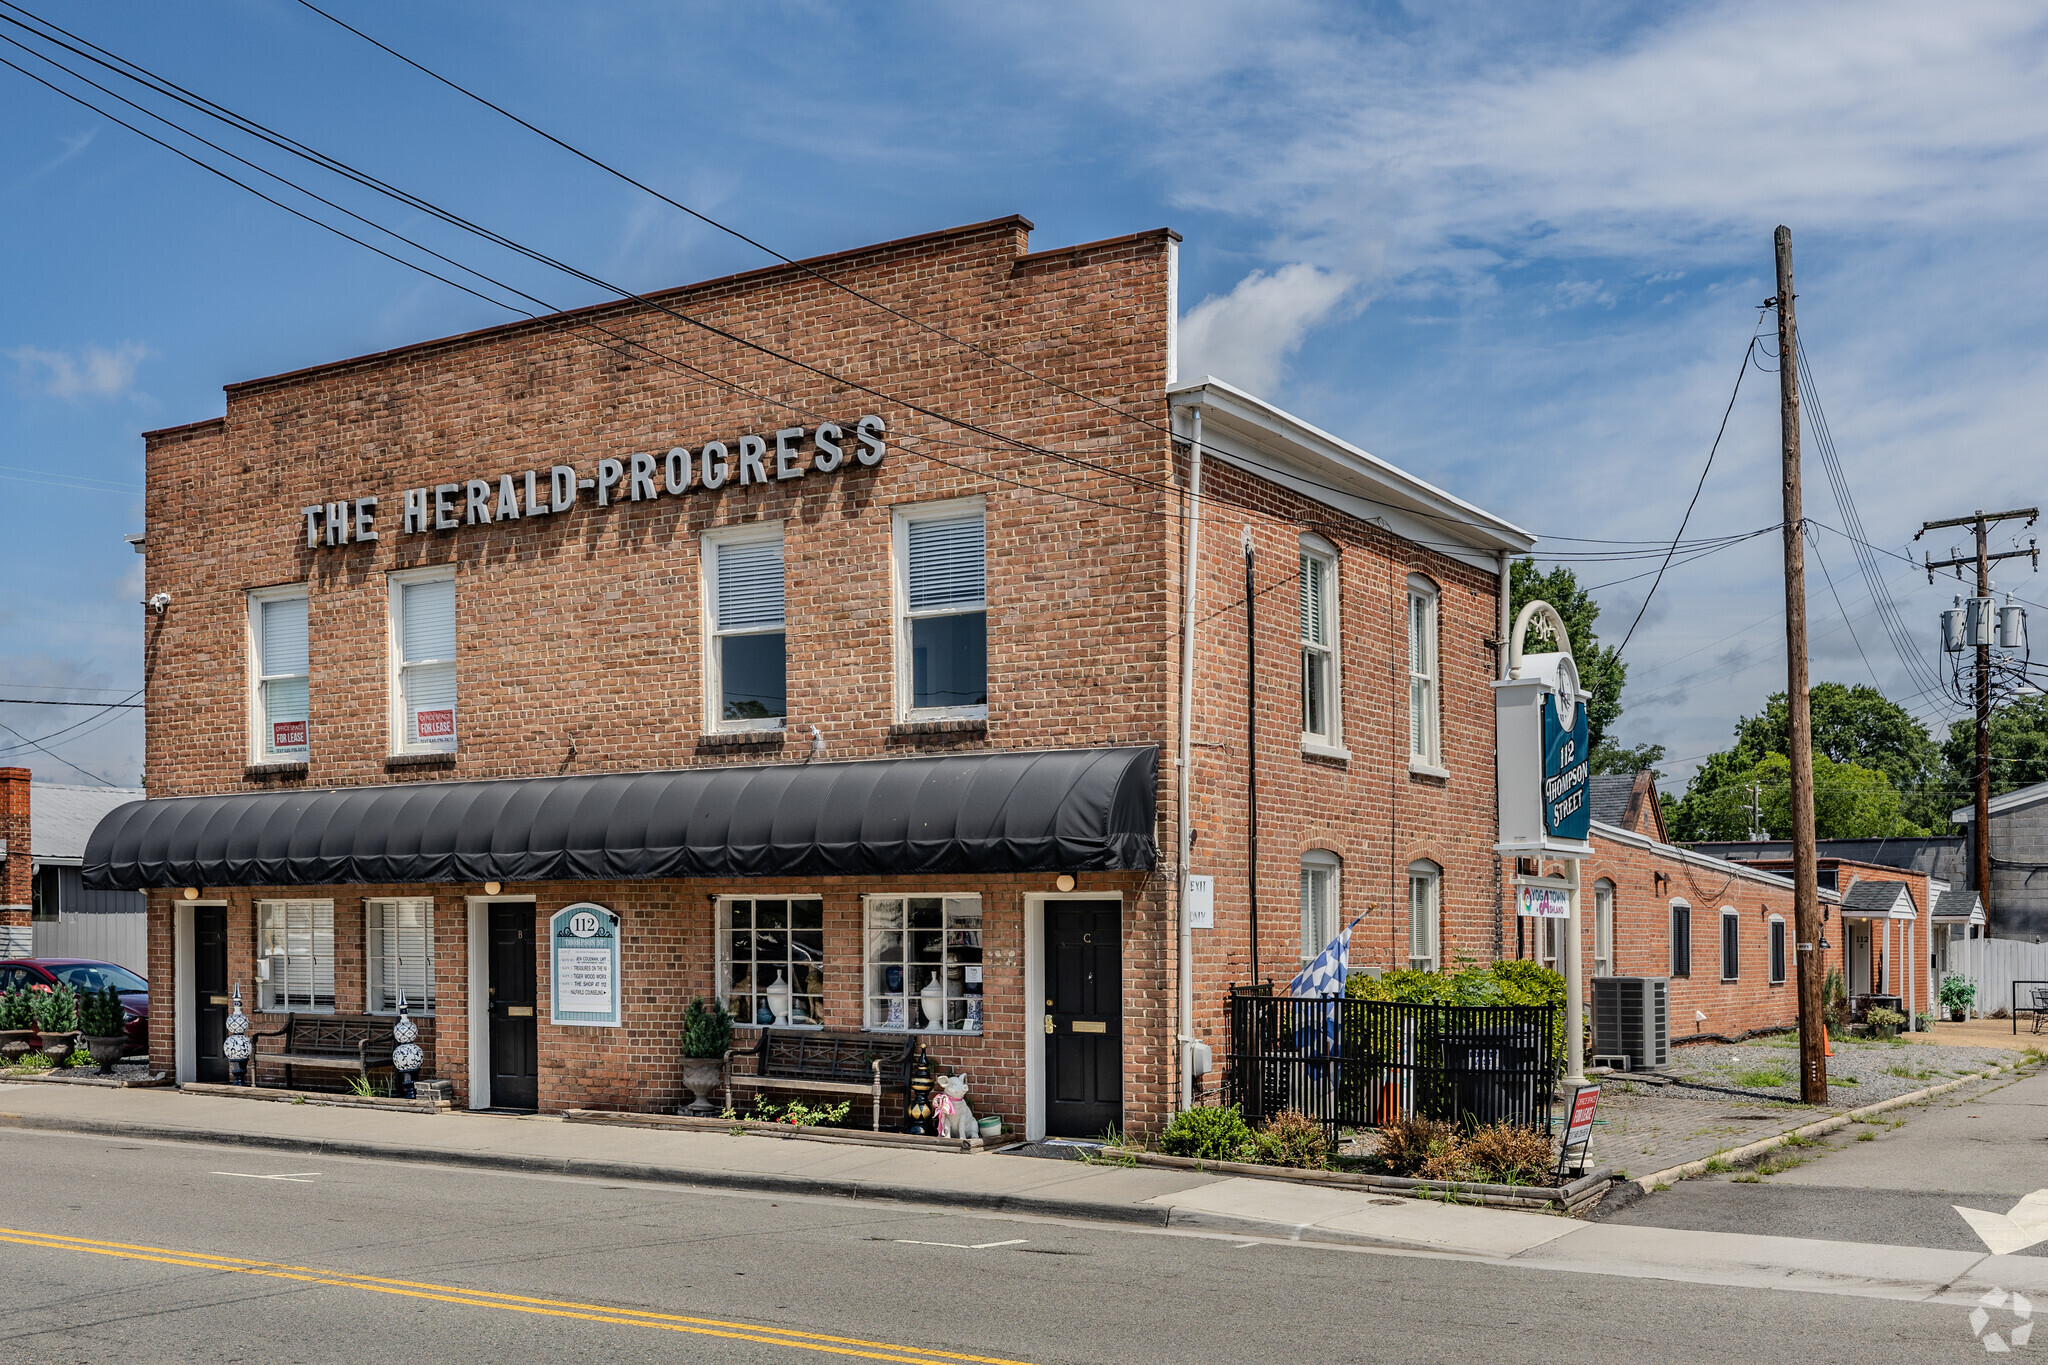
(932, 1000)
(778, 999)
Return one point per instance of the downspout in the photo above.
(1501, 670)
(1251, 751)
(1186, 993)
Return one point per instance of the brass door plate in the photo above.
(519, 1011)
(216, 1000)
(1090, 1026)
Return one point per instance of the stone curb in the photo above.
(1736, 1155)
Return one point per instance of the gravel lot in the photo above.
(1859, 1073)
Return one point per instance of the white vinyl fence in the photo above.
(1994, 964)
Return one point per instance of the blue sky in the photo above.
(1516, 249)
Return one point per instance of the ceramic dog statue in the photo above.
(953, 1117)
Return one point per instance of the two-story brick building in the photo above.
(815, 635)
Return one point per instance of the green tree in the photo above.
(1610, 756)
(1600, 671)
(1849, 802)
(2019, 751)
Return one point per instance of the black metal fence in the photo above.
(1364, 1063)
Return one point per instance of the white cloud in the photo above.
(89, 372)
(1246, 336)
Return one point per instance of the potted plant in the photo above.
(57, 1023)
(707, 1037)
(1958, 997)
(17, 1025)
(101, 1017)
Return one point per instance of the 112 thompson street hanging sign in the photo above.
(779, 457)
(1567, 768)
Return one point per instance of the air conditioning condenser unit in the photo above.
(1631, 1021)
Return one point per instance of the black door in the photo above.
(515, 1049)
(210, 985)
(1084, 1013)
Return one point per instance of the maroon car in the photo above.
(84, 974)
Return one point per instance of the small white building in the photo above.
(68, 920)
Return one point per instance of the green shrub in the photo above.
(56, 1010)
(1834, 1003)
(17, 1009)
(706, 1032)
(1958, 993)
(1290, 1138)
(1213, 1134)
(1508, 982)
(1884, 1023)
(100, 1013)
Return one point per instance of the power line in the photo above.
(37, 701)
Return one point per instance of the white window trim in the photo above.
(265, 989)
(714, 680)
(1330, 742)
(1775, 928)
(1729, 912)
(867, 963)
(372, 978)
(1429, 759)
(1323, 860)
(721, 940)
(899, 553)
(394, 651)
(1603, 927)
(252, 626)
(1423, 868)
(1671, 936)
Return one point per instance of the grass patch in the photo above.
(1766, 1077)
(1717, 1166)
(1751, 1179)
(1778, 1164)
(1866, 1137)
(1843, 1080)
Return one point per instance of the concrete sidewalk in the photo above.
(997, 1183)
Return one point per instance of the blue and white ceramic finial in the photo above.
(238, 1046)
(408, 1057)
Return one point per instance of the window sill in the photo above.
(744, 739)
(1316, 749)
(1417, 768)
(257, 772)
(438, 758)
(923, 1032)
(965, 727)
(786, 1028)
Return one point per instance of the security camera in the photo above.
(157, 602)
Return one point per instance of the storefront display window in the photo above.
(400, 941)
(771, 960)
(296, 939)
(923, 966)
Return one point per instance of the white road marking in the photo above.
(296, 1177)
(963, 1246)
(2004, 1233)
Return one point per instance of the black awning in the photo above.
(1061, 810)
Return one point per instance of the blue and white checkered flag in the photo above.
(1325, 975)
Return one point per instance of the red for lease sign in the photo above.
(288, 734)
(435, 724)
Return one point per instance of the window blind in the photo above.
(298, 938)
(401, 953)
(750, 585)
(282, 628)
(427, 621)
(948, 563)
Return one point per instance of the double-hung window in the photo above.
(1318, 642)
(399, 942)
(923, 964)
(1425, 745)
(1731, 964)
(1777, 951)
(423, 648)
(771, 960)
(1603, 928)
(943, 635)
(748, 661)
(296, 940)
(1320, 890)
(1681, 939)
(279, 657)
(1425, 912)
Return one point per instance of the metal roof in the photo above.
(61, 818)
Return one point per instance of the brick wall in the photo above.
(17, 935)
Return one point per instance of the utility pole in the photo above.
(1813, 1067)
(1981, 523)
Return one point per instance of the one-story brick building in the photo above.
(810, 638)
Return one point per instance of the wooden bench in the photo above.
(329, 1042)
(810, 1060)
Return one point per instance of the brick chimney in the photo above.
(17, 938)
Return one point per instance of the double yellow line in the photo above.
(510, 1303)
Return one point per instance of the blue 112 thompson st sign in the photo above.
(1566, 771)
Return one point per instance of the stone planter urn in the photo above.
(703, 1077)
(16, 1043)
(107, 1051)
(58, 1047)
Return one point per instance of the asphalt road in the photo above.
(1982, 1147)
(143, 1252)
